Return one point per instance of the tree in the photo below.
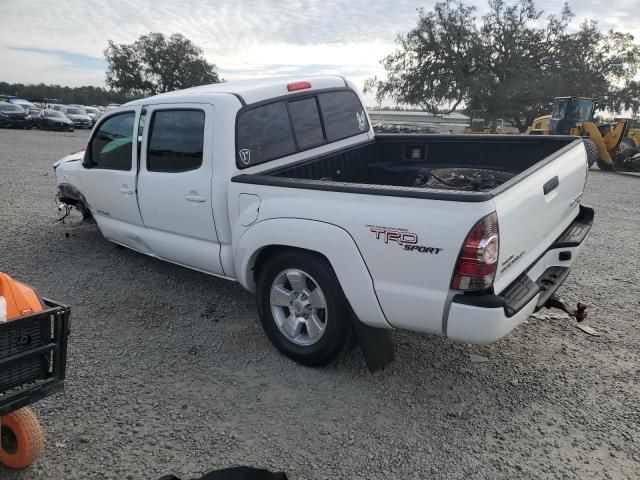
(511, 63)
(155, 64)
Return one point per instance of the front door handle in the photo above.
(192, 197)
(126, 190)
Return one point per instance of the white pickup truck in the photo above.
(281, 185)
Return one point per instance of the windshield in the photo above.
(7, 107)
(53, 113)
(76, 111)
(580, 110)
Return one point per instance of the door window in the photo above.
(111, 145)
(176, 141)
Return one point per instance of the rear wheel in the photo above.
(624, 150)
(21, 438)
(622, 154)
(302, 307)
(607, 167)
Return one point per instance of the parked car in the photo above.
(21, 102)
(79, 117)
(34, 112)
(111, 106)
(93, 113)
(14, 116)
(54, 120)
(283, 186)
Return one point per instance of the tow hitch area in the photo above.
(579, 312)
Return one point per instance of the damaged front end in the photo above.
(69, 197)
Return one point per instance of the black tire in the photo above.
(592, 151)
(602, 165)
(631, 144)
(338, 322)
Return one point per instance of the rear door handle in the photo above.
(190, 197)
(127, 191)
(551, 185)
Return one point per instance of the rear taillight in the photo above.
(478, 259)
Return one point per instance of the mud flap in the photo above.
(376, 345)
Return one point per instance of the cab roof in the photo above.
(577, 98)
(250, 91)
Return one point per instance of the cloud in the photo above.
(63, 42)
(69, 59)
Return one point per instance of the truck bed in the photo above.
(449, 167)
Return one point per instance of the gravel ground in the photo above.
(169, 370)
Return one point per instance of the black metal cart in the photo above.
(33, 357)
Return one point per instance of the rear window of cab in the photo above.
(292, 125)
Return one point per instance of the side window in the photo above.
(306, 122)
(176, 141)
(111, 144)
(343, 114)
(264, 133)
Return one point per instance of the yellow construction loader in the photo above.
(574, 116)
(478, 124)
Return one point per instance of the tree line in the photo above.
(66, 95)
(511, 62)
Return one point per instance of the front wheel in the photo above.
(592, 151)
(21, 438)
(302, 307)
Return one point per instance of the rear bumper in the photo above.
(486, 318)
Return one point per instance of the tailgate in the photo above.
(536, 210)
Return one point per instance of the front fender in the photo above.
(326, 239)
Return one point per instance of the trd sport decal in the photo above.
(403, 237)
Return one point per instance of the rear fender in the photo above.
(329, 240)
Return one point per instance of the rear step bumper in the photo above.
(486, 318)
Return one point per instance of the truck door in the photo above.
(108, 177)
(175, 185)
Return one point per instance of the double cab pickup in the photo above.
(281, 185)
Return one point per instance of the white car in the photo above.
(281, 185)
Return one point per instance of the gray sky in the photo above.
(62, 41)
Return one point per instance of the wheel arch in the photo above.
(70, 195)
(329, 241)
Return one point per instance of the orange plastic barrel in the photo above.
(21, 300)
